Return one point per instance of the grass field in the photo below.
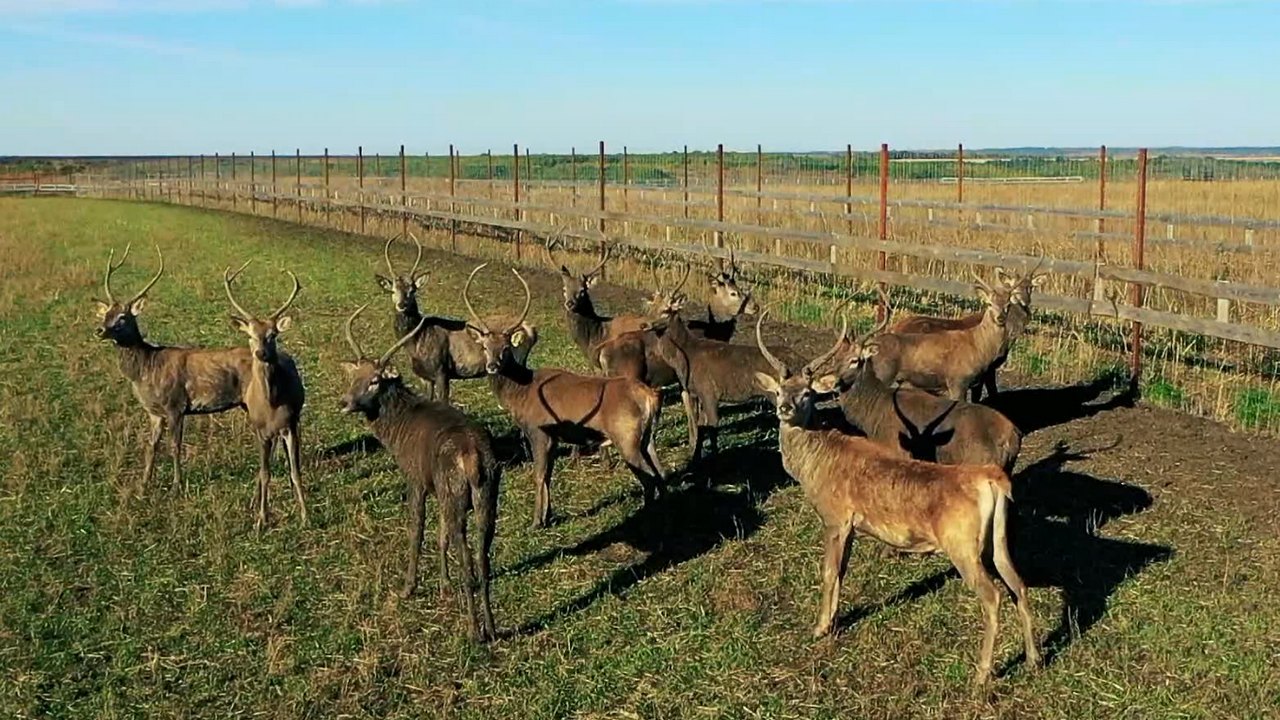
(1149, 537)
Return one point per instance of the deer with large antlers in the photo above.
(729, 301)
(634, 354)
(443, 452)
(587, 327)
(273, 393)
(1014, 289)
(170, 382)
(441, 349)
(552, 405)
(916, 423)
(858, 486)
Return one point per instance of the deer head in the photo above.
(118, 321)
(262, 332)
(857, 352)
(665, 303)
(1020, 285)
(576, 287)
(369, 379)
(497, 345)
(794, 395)
(728, 297)
(997, 299)
(403, 288)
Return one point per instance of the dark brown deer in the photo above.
(710, 373)
(441, 350)
(551, 405)
(587, 327)
(857, 485)
(170, 382)
(921, 425)
(634, 354)
(273, 394)
(440, 451)
(1015, 290)
(729, 301)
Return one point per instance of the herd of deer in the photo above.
(912, 462)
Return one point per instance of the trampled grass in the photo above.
(1154, 578)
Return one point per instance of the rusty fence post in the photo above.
(719, 193)
(600, 225)
(1136, 289)
(489, 156)
(960, 173)
(253, 182)
(626, 178)
(573, 176)
(404, 197)
(235, 201)
(204, 195)
(686, 181)
(217, 176)
(515, 185)
(1102, 199)
(327, 196)
(297, 181)
(883, 226)
(848, 186)
(360, 183)
(190, 179)
(759, 183)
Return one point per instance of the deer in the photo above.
(441, 350)
(169, 382)
(552, 405)
(587, 327)
(921, 425)
(947, 362)
(634, 354)
(1015, 289)
(710, 373)
(440, 451)
(729, 301)
(273, 393)
(858, 486)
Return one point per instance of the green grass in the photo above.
(1161, 391)
(1256, 407)
(120, 601)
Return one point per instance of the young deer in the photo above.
(1015, 290)
(551, 405)
(441, 349)
(729, 301)
(857, 485)
(587, 327)
(916, 423)
(169, 382)
(273, 394)
(947, 361)
(442, 452)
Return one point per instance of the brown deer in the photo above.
(710, 373)
(273, 394)
(729, 301)
(551, 405)
(442, 452)
(947, 362)
(634, 354)
(1015, 290)
(170, 382)
(921, 425)
(857, 485)
(587, 327)
(441, 349)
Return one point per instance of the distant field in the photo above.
(1149, 536)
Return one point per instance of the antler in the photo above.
(657, 281)
(835, 347)
(227, 278)
(528, 300)
(981, 282)
(733, 265)
(685, 277)
(466, 298)
(382, 361)
(351, 338)
(1032, 273)
(862, 341)
(604, 258)
(777, 364)
(551, 255)
(386, 254)
(146, 288)
(297, 286)
(416, 260)
(112, 267)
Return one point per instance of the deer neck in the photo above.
(805, 455)
(868, 401)
(585, 324)
(513, 380)
(135, 355)
(392, 406)
(988, 336)
(408, 319)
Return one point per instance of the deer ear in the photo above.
(350, 368)
(1038, 280)
(768, 383)
(1006, 277)
(419, 281)
(825, 384)
(869, 350)
(474, 332)
(100, 309)
(390, 373)
(591, 280)
(384, 282)
(517, 338)
(136, 306)
(564, 270)
(284, 323)
(982, 293)
(237, 323)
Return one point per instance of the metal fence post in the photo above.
(848, 185)
(234, 191)
(515, 183)
(960, 173)
(327, 196)
(626, 178)
(883, 229)
(719, 193)
(297, 180)
(573, 176)
(1102, 200)
(686, 181)
(360, 182)
(602, 205)
(404, 198)
(217, 175)
(253, 183)
(489, 156)
(1135, 289)
(759, 183)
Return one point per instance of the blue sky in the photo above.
(190, 76)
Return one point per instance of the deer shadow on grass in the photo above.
(1036, 408)
(683, 524)
(363, 445)
(1054, 541)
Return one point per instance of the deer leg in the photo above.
(630, 450)
(175, 439)
(153, 444)
(268, 445)
(456, 518)
(291, 445)
(1004, 566)
(835, 557)
(485, 502)
(971, 569)
(542, 446)
(690, 411)
(989, 380)
(651, 458)
(417, 512)
(443, 543)
(442, 386)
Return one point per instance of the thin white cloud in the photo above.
(124, 41)
(36, 8)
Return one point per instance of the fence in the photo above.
(1175, 248)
